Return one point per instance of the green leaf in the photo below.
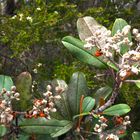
(87, 26)
(6, 82)
(22, 137)
(23, 84)
(75, 46)
(112, 65)
(88, 104)
(118, 25)
(137, 83)
(119, 109)
(102, 92)
(42, 126)
(76, 88)
(62, 104)
(136, 135)
(3, 130)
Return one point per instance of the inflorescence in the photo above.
(107, 46)
(120, 125)
(6, 112)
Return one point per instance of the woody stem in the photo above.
(111, 100)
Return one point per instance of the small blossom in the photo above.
(123, 73)
(53, 110)
(16, 95)
(39, 64)
(126, 30)
(134, 70)
(29, 19)
(38, 9)
(49, 87)
(57, 97)
(14, 17)
(13, 88)
(112, 137)
(88, 46)
(20, 17)
(135, 31)
(35, 71)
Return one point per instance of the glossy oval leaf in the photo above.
(87, 26)
(119, 109)
(23, 84)
(62, 104)
(136, 135)
(3, 130)
(103, 93)
(75, 46)
(118, 25)
(6, 82)
(43, 126)
(88, 104)
(76, 88)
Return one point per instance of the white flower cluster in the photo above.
(120, 123)
(43, 107)
(130, 63)
(103, 40)
(136, 34)
(107, 45)
(6, 113)
(126, 121)
(103, 124)
(21, 16)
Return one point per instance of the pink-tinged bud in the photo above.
(13, 88)
(16, 95)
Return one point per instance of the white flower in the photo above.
(13, 17)
(134, 70)
(16, 95)
(38, 9)
(20, 17)
(88, 46)
(35, 70)
(126, 30)
(57, 97)
(35, 112)
(29, 18)
(135, 31)
(49, 87)
(97, 128)
(127, 118)
(123, 73)
(104, 125)
(138, 37)
(53, 110)
(108, 54)
(44, 101)
(39, 64)
(127, 67)
(112, 137)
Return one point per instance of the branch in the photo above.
(110, 101)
